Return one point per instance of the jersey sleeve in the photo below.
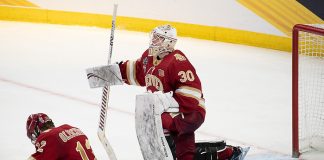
(187, 85)
(132, 71)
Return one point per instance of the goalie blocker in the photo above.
(104, 76)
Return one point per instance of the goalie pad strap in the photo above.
(208, 150)
(218, 145)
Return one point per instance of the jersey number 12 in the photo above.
(79, 148)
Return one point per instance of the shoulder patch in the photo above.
(179, 57)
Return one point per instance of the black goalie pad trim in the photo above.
(220, 145)
(208, 150)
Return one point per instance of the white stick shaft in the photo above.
(113, 24)
(105, 98)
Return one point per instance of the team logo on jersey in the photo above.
(180, 57)
(161, 72)
(151, 80)
(145, 61)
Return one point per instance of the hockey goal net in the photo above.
(308, 89)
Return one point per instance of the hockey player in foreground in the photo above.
(56, 143)
(174, 93)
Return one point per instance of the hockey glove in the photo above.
(104, 75)
(168, 102)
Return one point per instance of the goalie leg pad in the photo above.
(149, 130)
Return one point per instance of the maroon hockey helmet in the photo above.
(34, 124)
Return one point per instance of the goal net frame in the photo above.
(297, 29)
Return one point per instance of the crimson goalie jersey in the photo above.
(62, 143)
(173, 73)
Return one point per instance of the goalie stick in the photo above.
(105, 98)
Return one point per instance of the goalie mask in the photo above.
(162, 40)
(35, 123)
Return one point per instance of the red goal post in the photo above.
(307, 88)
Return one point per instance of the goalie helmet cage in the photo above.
(307, 88)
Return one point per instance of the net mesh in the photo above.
(311, 90)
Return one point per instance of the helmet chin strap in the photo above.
(162, 55)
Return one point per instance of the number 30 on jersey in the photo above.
(186, 76)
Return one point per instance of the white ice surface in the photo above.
(42, 69)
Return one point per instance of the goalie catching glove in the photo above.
(104, 75)
(168, 103)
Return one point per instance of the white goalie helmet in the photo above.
(162, 40)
